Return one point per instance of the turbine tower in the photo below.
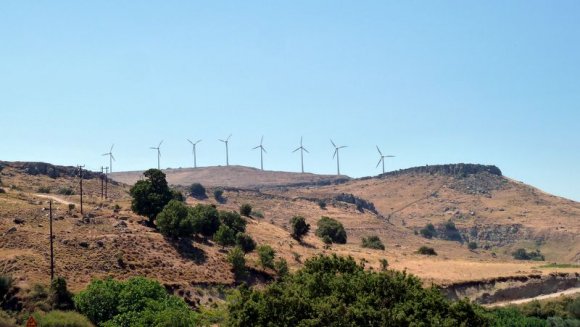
(111, 157)
(382, 159)
(336, 148)
(302, 149)
(158, 148)
(262, 151)
(194, 155)
(227, 151)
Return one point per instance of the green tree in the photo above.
(175, 220)
(61, 298)
(197, 191)
(225, 236)
(238, 261)
(246, 210)
(336, 291)
(425, 250)
(150, 195)
(233, 220)
(205, 219)
(472, 245)
(299, 227)
(429, 231)
(331, 228)
(245, 242)
(281, 267)
(373, 242)
(100, 300)
(266, 255)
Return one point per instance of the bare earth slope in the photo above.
(232, 176)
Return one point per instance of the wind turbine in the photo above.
(262, 151)
(158, 148)
(302, 149)
(382, 159)
(111, 157)
(336, 148)
(194, 155)
(227, 153)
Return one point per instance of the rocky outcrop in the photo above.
(457, 170)
(52, 171)
(361, 204)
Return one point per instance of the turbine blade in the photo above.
(188, 140)
(334, 145)
(305, 150)
(254, 148)
(229, 137)
(296, 149)
(152, 148)
(112, 146)
(113, 157)
(105, 154)
(389, 156)
(160, 144)
(197, 141)
(379, 150)
(344, 146)
(335, 151)
(300, 140)
(379, 162)
(264, 149)
(262, 140)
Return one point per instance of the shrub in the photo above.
(238, 262)
(326, 239)
(177, 195)
(299, 227)
(5, 319)
(233, 220)
(429, 231)
(322, 204)
(175, 220)
(151, 195)
(218, 195)
(5, 286)
(65, 191)
(257, 214)
(266, 256)
(205, 220)
(425, 250)
(246, 210)
(372, 242)
(62, 319)
(2, 190)
(384, 264)
(225, 236)
(281, 267)
(245, 242)
(522, 254)
(61, 298)
(472, 245)
(43, 189)
(332, 229)
(71, 207)
(450, 232)
(135, 302)
(332, 291)
(197, 191)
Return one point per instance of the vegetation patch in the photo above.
(425, 250)
(523, 254)
(331, 230)
(372, 242)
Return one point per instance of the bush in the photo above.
(425, 250)
(5, 319)
(332, 291)
(245, 242)
(43, 189)
(2, 190)
(5, 286)
(197, 191)
(450, 232)
(151, 195)
(61, 298)
(522, 254)
(322, 204)
(372, 242)
(233, 220)
(384, 264)
(175, 220)
(62, 319)
(299, 227)
(472, 245)
(71, 207)
(332, 229)
(238, 262)
(429, 231)
(281, 267)
(65, 191)
(205, 220)
(177, 195)
(135, 302)
(218, 195)
(266, 256)
(225, 236)
(246, 210)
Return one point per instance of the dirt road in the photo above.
(541, 297)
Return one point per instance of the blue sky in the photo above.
(431, 82)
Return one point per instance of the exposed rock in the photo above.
(10, 230)
(100, 243)
(18, 221)
(120, 224)
(84, 244)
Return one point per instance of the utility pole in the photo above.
(81, 186)
(51, 247)
(106, 180)
(102, 184)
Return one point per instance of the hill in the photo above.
(234, 176)
(485, 207)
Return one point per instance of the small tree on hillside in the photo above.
(299, 227)
(150, 195)
(197, 191)
(238, 261)
(331, 229)
(205, 219)
(266, 255)
(225, 236)
(245, 242)
(175, 220)
(246, 210)
(233, 220)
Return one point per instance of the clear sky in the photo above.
(491, 82)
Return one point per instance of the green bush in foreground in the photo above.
(336, 291)
(62, 319)
(135, 302)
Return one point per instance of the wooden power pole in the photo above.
(106, 180)
(51, 246)
(102, 186)
(81, 186)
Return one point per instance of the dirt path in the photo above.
(541, 297)
(55, 198)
